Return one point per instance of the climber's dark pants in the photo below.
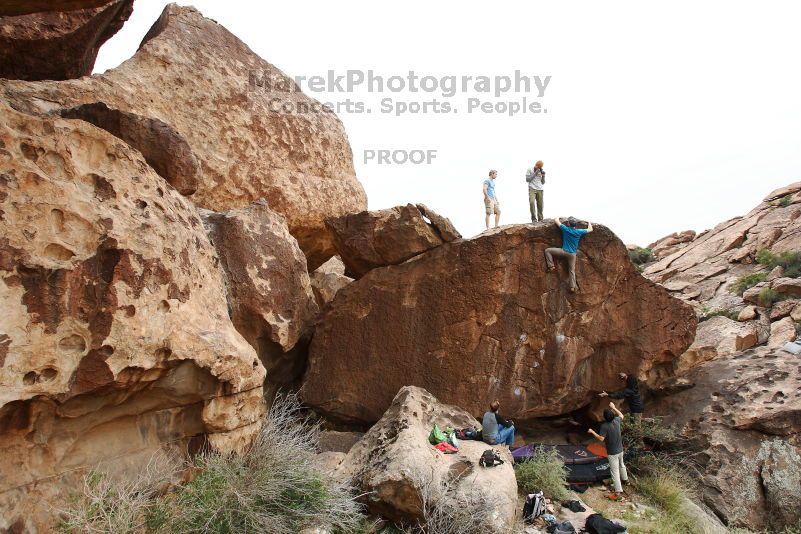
(569, 257)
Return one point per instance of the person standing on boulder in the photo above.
(631, 393)
(495, 430)
(491, 204)
(535, 177)
(570, 242)
(613, 439)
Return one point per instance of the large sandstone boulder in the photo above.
(253, 132)
(716, 338)
(399, 471)
(269, 293)
(479, 319)
(115, 341)
(57, 42)
(373, 239)
(742, 419)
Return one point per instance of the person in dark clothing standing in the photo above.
(612, 438)
(631, 394)
(496, 430)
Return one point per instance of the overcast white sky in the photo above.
(660, 117)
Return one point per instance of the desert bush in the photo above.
(790, 261)
(768, 297)
(786, 200)
(707, 314)
(668, 491)
(446, 509)
(274, 487)
(640, 256)
(647, 432)
(545, 471)
(106, 503)
(748, 281)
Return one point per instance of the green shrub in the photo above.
(790, 261)
(748, 281)
(648, 432)
(640, 256)
(106, 504)
(768, 297)
(708, 314)
(786, 200)
(274, 487)
(545, 472)
(668, 491)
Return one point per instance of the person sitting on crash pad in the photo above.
(496, 430)
(613, 439)
(631, 394)
(570, 242)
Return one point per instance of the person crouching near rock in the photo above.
(613, 439)
(631, 394)
(496, 430)
(570, 242)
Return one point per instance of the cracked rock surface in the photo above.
(742, 418)
(480, 319)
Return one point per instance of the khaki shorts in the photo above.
(492, 206)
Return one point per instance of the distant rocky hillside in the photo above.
(735, 393)
(741, 302)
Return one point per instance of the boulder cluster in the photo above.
(174, 250)
(736, 393)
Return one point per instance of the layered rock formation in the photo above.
(671, 243)
(253, 132)
(480, 319)
(269, 293)
(116, 341)
(706, 271)
(742, 419)
(397, 469)
(373, 239)
(56, 42)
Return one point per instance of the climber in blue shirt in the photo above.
(570, 242)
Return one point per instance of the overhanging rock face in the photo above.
(115, 341)
(480, 319)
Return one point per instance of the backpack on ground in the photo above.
(436, 436)
(469, 433)
(489, 458)
(598, 524)
(565, 527)
(534, 506)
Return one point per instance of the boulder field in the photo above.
(174, 247)
(480, 319)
